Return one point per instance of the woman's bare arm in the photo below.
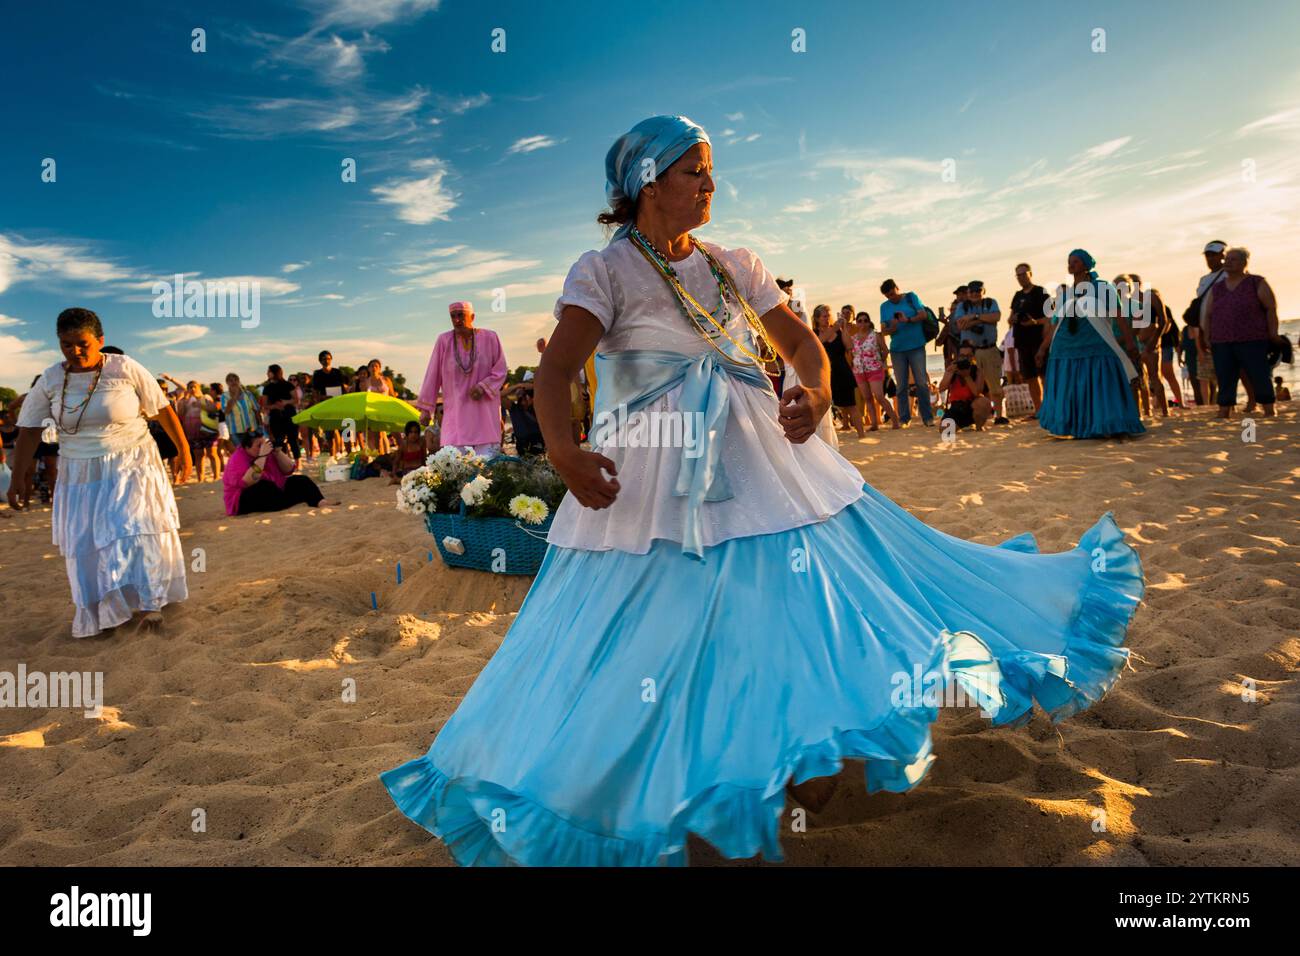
(166, 417)
(575, 338)
(802, 405)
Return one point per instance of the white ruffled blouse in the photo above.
(777, 485)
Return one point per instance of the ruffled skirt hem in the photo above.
(486, 824)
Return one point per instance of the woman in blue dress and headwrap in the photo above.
(728, 616)
(1089, 391)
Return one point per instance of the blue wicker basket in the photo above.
(521, 546)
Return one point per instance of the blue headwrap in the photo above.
(661, 139)
(1088, 261)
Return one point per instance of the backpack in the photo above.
(929, 324)
(1192, 314)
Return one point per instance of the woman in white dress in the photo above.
(114, 519)
(724, 618)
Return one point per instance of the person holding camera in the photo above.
(964, 383)
(259, 477)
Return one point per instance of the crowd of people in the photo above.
(1091, 360)
(1100, 355)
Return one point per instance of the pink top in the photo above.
(232, 479)
(1237, 315)
(866, 354)
(465, 420)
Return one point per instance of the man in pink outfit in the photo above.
(469, 367)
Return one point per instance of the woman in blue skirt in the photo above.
(726, 611)
(1089, 392)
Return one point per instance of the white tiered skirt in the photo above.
(116, 525)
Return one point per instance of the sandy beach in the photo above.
(236, 708)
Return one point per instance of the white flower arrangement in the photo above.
(418, 491)
(475, 489)
(529, 509)
(454, 464)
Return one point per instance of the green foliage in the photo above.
(532, 475)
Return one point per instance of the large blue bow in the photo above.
(630, 380)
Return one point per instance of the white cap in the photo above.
(1216, 246)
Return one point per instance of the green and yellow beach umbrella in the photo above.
(367, 411)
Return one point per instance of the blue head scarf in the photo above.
(1088, 261)
(661, 139)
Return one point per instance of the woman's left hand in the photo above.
(800, 410)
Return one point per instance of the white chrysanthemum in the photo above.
(475, 489)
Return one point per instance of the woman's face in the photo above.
(81, 348)
(1234, 262)
(1074, 266)
(374, 369)
(683, 195)
(260, 446)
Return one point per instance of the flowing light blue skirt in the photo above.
(637, 698)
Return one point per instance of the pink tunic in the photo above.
(233, 477)
(465, 420)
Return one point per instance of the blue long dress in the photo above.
(643, 694)
(641, 697)
(1087, 394)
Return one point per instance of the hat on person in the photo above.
(785, 283)
(461, 307)
(974, 285)
(1216, 245)
(959, 290)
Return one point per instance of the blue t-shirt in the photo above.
(981, 336)
(910, 335)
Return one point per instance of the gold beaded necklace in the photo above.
(688, 303)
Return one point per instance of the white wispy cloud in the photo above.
(171, 335)
(346, 113)
(1286, 122)
(423, 199)
(293, 266)
(330, 57)
(22, 260)
(9, 320)
(542, 285)
(530, 143)
(24, 359)
(469, 274)
(463, 104)
(368, 13)
(802, 206)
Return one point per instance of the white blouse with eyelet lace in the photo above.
(777, 485)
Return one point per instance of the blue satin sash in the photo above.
(635, 377)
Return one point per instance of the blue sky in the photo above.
(479, 170)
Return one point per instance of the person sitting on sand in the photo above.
(410, 452)
(259, 477)
(964, 382)
(1283, 393)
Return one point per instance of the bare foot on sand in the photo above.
(150, 622)
(813, 794)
